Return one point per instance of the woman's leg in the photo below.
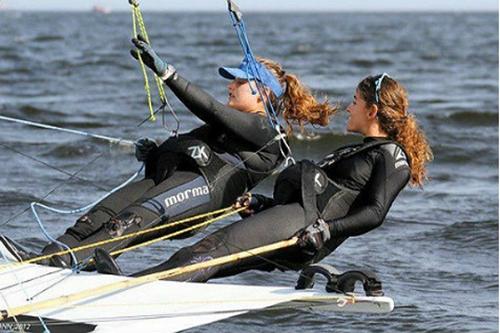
(135, 208)
(145, 205)
(267, 227)
(97, 216)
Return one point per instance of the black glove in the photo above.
(143, 147)
(313, 237)
(149, 56)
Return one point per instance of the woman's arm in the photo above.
(372, 205)
(252, 128)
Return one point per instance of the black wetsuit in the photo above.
(241, 150)
(362, 187)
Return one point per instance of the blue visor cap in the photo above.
(245, 72)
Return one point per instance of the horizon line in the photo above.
(216, 11)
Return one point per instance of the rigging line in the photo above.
(31, 279)
(161, 109)
(67, 130)
(174, 132)
(138, 20)
(67, 173)
(54, 189)
(180, 232)
(206, 233)
(137, 233)
(226, 212)
(63, 278)
(275, 263)
(27, 297)
(158, 218)
(90, 259)
(125, 284)
(242, 162)
(263, 258)
(239, 25)
(222, 240)
(73, 211)
(147, 89)
(142, 26)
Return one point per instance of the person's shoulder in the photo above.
(393, 155)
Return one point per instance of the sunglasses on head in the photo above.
(378, 85)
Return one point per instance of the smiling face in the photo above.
(240, 97)
(360, 116)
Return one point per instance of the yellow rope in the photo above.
(142, 26)
(126, 284)
(137, 20)
(179, 232)
(134, 234)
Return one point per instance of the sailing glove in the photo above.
(143, 147)
(149, 57)
(313, 237)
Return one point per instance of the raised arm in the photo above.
(252, 128)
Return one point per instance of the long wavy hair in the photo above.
(297, 106)
(398, 123)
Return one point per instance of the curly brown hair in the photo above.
(297, 105)
(400, 125)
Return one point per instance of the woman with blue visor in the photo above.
(207, 168)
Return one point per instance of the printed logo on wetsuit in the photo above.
(200, 154)
(400, 158)
(186, 195)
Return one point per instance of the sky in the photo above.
(260, 5)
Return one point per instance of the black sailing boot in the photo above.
(105, 264)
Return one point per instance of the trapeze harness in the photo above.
(194, 173)
(352, 189)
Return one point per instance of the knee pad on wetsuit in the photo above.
(91, 222)
(117, 226)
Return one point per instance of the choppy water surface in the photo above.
(437, 252)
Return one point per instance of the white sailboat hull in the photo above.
(161, 306)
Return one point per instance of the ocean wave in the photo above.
(369, 63)
(472, 234)
(47, 38)
(13, 198)
(462, 155)
(31, 110)
(475, 118)
(80, 149)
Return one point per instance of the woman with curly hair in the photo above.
(347, 194)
